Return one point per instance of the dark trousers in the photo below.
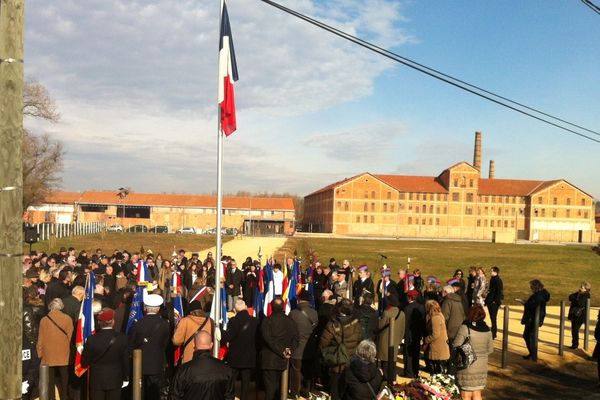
(334, 385)
(528, 337)
(244, 375)
(151, 385)
(575, 326)
(59, 376)
(272, 380)
(493, 310)
(385, 365)
(411, 360)
(112, 394)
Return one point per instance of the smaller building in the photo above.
(250, 215)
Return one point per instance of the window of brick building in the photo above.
(445, 210)
(401, 196)
(555, 201)
(514, 211)
(568, 213)
(543, 212)
(418, 196)
(506, 224)
(409, 220)
(455, 196)
(585, 214)
(470, 197)
(499, 223)
(553, 213)
(493, 200)
(492, 223)
(437, 221)
(568, 201)
(346, 206)
(485, 222)
(470, 182)
(469, 211)
(506, 199)
(417, 208)
(478, 222)
(365, 219)
(424, 208)
(431, 197)
(372, 206)
(512, 224)
(478, 210)
(339, 205)
(423, 221)
(579, 213)
(391, 208)
(410, 207)
(437, 210)
(357, 218)
(514, 199)
(389, 195)
(430, 209)
(366, 207)
(410, 196)
(373, 194)
(499, 210)
(430, 221)
(455, 182)
(372, 219)
(583, 202)
(384, 207)
(540, 200)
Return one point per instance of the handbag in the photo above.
(464, 355)
(336, 354)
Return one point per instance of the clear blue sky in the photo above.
(136, 85)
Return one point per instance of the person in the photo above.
(472, 380)
(233, 280)
(204, 377)
(538, 298)
(494, 298)
(302, 361)
(453, 311)
(30, 365)
(189, 326)
(240, 335)
(362, 379)
(596, 353)
(435, 344)
(458, 275)
(364, 282)
(280, 337)
(250, 284)
(277, 280)
(471, 284)
(340, 286)
(72, 303)
(385, 285)
(105, 352)
(54, 347)
(342, 329)
(151, 334)
(577, 311)
(319, 284)
(480, 290)
(394, 312)
(326, 310)
(367, 316)
(415, 330)
(58, 288)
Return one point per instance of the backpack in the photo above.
(337, 353)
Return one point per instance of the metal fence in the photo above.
(47, 230)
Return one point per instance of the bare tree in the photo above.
(42, 156)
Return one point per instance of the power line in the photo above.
(591, 5)
(473, 89)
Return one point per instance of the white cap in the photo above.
(153, 300)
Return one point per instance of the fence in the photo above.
(552, 333)
(47, 230)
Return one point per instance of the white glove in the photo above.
(24, 387)
(125, 383)
(217, 334)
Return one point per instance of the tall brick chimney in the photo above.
(492, 169)
(477, 152)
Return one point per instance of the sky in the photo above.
(136, 85)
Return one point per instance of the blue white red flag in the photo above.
(224, 308)
(269, 286)
(257, 307)
(228, 74)
(294, 285)
(85, 323)
(136, 312)
(199, 294)
(143, 274)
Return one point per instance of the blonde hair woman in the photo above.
(435, 344)
(481, 288)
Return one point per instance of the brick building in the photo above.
(458, 203)
(259, 215)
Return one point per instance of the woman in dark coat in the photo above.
(249, 284)
(320, 284)
(362, 379)
(538, 298)
(577, 311)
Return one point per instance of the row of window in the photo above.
(555, 201)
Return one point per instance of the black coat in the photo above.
(540, 299)
(596, 353)
(415, 326)
(578, 303)
(367, 316)
(496, 291)
(30, 364)
(234, 278)
(108, 368)
(358, 287)
(204, 378)
(306, 320)
(151, 334)
(278, 332)
(71, 307)
(353, 383)
(241, 337)
(56, 289)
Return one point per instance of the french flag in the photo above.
(269, 289)
(228, 74)
(85, 323)
(142, 271)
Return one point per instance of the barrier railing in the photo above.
(47, 230)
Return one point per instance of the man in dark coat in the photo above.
(303, 358)
(72, 303)
(106, 354)
(279, 338)
(233, 283)
(241, 337)
(151, 334)
(415, 329)
(577, 311)
(364, 282)
(493, 300)
(204, 377)
(58, 288)
(367, 316)
(538, 298)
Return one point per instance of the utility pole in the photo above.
(11, 196)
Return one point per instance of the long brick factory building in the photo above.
(458, 204)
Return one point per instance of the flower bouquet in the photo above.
(438, 387)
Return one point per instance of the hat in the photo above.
(412, 293)
(62, 250)
(31, 273)
(107, 314)
(363, 268)
(194, 305)
(153, 300)
(386, 272)
(304, 296)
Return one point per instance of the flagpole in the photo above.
(216, 310)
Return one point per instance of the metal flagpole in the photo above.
(216, 306)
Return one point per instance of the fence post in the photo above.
(586, 334)
(137, 375)
(391, 366)
(505, 335)
(536, 334)
(44, 381)
(561, 330)
(285, 381)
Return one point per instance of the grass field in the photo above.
(158, 243)
(560, 268)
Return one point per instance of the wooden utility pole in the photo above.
(11, 196)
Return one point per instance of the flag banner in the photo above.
(224, 308)
(178, 315)
(142, 271)
(199, 294)
(257, 306)
(228, 74)
(269, 287)
(295, 284)
(137, 308)
(85, 324)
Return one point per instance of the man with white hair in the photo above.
(54, 345)
(72, 303)
(151, 335)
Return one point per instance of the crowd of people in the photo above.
(335, 336)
